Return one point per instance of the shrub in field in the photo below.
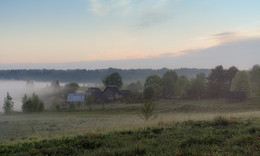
(72, 107)
(221, 121)
(89, 101)
(58, 108)
(32, 104)
(79, 104)
(148, 110)
(8, 104)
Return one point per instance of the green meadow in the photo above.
(182, 127)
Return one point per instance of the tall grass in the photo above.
(220, 136)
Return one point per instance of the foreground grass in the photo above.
(220, 136)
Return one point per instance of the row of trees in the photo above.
(32, 104)
(219, 82)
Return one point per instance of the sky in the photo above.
(93, 34)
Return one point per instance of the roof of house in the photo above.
(93, 89)
(76, 97)
(112, 88)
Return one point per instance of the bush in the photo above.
(58, 108)
(72, 107)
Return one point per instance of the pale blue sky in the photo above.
(63, 31)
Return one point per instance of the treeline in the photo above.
(216, 85)
(92, 76)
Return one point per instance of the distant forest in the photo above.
(92, 76)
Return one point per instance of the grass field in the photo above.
(118, 117)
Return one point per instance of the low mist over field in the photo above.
(17, 89)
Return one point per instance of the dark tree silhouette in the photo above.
(113, 79)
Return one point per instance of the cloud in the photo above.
(220, 37)
(148, 12)
(153, 17)
(243, 54)
(103, 7)
(154, 13)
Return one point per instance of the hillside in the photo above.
(91, 76)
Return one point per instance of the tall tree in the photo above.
(216, 84)
(181, 85)
(169, 80)
(255, 79)
(197, 86)
(241, 82)
(113, 79)
(229, 75)
(135, 86)
(8, 104)
(153, 82)
(71, 87)
(149, 92)
(55, 85)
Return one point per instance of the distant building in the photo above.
(111, 93)
(95, 93)
(76, 98)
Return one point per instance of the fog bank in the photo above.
(17, 89)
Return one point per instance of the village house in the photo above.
(95, 93)
(111, 93)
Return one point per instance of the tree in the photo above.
(148, 110)
(197, 86)
(55, 85)
(255, 79)
(89, 101)
(71, 87)
(135, 86)
(149, 92)
(8, 104)
(113, 79)
(241, 82)
(152, 82)
(181, 86)
(169, 80)
(219, 81)
(216, 84)
(32, 104)
(229, 75)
